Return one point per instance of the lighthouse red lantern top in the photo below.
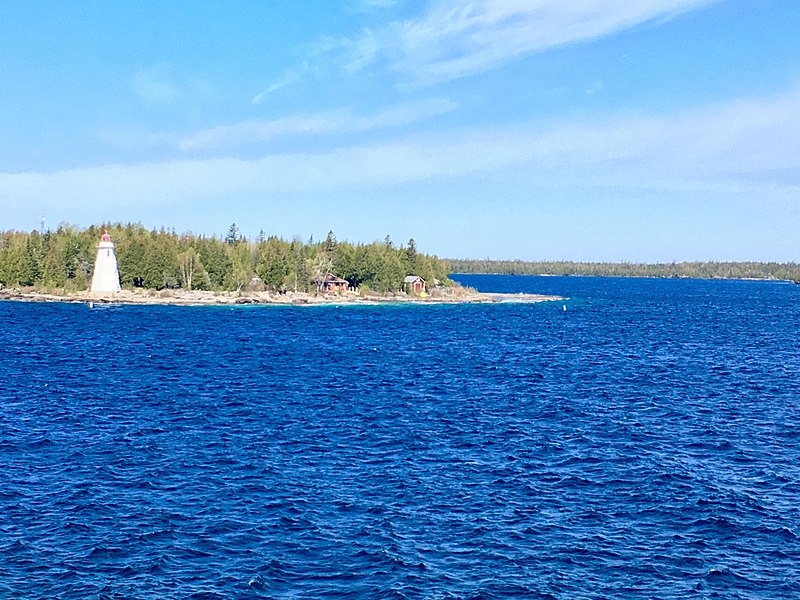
(105, 241)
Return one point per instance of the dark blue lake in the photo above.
(644, 443)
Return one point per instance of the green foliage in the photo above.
(131, 260)
(241, 263)
(411, 256)
(234, 236)
(330, 244)
(162, 259)
(160, 263)
(273, 263)
(64, 259)
(695, 270)
(299, 278)
(193, 274)
(15, 265)
(214, 256)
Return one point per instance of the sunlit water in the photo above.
(644, 443)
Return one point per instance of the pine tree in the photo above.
(234, 236)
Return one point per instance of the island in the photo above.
(128, 264)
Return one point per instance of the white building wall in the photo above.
(106, 273)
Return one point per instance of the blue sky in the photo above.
(609, 130)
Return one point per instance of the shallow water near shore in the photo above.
(642, 443)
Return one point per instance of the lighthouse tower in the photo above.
(106, 274)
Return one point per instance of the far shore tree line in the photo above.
(162, 259)
(696, 270)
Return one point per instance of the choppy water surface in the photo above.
(643, 444)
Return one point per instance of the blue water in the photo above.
(643, 444)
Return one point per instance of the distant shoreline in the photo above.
(204, 298)
(683, 277)
(706, 270)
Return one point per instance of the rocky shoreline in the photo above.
(205, 298)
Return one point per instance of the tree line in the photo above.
(162, 259)
(696, 270)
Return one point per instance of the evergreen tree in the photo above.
(15, 266)
(160, 265)
(241, 267)
(298, 278)
(411, 258)
(214, 258)
(329, 245)
(233, 236)
(131, 251)
(274, 263)
(34, 251)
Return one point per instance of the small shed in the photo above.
(414, 284)
(332, 283)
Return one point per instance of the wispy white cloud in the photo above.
(362, 51)
(156, 85)
(743, 147)
(253, 131)
(457, 38)
(451, 39)
(288, 78)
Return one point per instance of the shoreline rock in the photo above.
(204, 298)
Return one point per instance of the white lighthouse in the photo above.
(106, 274)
